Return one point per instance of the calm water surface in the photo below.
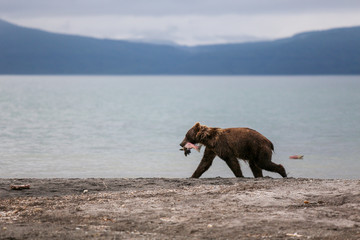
(131, 126)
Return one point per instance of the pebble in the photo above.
(293, 235)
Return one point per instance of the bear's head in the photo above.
(197, 134)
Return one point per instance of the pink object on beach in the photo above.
(297, 157)
(189, 145)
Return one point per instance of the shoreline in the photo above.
(173, 208)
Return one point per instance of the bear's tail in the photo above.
(272, 146)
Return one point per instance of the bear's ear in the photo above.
(203, 133)
(196, 127)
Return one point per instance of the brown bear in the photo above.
(230, 144)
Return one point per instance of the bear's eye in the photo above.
(190, 137)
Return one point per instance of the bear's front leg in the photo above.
(205, 163)
(234, 165)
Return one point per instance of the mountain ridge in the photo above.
(32, 51)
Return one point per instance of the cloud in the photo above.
(171, 7)
(185, 22)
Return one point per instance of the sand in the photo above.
(166, 208)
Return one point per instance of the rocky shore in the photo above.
(168, 208)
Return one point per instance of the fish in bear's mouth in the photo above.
(188, 146)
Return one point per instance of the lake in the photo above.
(131, 126)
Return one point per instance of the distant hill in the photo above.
(31, 51)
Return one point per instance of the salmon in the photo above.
(189, 146)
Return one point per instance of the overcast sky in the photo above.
(187, 22)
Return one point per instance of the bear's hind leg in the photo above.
(257, 172)
(264, 162)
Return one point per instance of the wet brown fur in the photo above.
(231, 144)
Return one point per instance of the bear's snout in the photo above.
(183, 143)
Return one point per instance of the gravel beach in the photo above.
(169, 208)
